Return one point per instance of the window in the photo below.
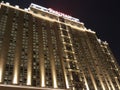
(67, 40)
(61, 19)
(72, 65)
(43, 23)
(75, 77)
(64, 32)
(63, 26)
(69, 47)
(70, 55)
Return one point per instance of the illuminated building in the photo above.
(43, 49)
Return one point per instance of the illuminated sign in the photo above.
(51, 11)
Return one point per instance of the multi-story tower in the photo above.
(43, 49)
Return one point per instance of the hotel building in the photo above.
(43, 49)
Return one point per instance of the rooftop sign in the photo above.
(51, 11)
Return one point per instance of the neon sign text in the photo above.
(51, 11)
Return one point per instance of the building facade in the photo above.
(43, 49)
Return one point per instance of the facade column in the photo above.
(16, 70)
(30, 51)
(5, 45)
(52, 60)
(59, 43)
(41, 56)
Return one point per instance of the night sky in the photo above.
(101, 16)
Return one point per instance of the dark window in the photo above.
(68, 47)
(72, 65)
(69, 28)
(75, 77)
(35, 12)
(61, 19)
(63, 26)
(65, 33)
(67, 40)
(70, 55)
(34, 82)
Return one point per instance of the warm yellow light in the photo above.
(55, 81)
(15, 79)
(115, 77)
(29, 78)
(43, 81)
(0, 74)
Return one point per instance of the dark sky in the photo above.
(102, 16)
